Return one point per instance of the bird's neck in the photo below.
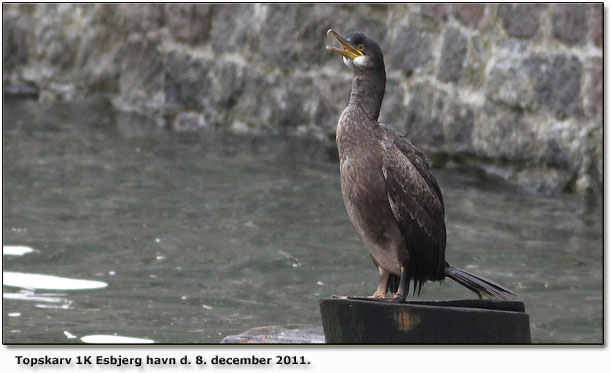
(368, 92)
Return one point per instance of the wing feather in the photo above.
(417, 205)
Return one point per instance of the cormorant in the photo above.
(391, 196)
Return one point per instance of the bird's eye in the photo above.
(360, 47)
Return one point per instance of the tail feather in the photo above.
(480, 285)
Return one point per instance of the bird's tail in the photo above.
(480, 285)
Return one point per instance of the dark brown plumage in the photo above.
(390, 194)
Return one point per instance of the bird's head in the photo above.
(360, 52)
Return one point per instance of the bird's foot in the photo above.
(361, 298)
(397, 298)
(378, 297)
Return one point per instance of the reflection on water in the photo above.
(32, 296)
(16, 250)
(116, 339)
(35, 281)
(199, 236)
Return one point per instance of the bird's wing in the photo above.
(417, 205)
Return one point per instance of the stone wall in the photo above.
(513, 89)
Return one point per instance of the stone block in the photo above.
(56, 37)
(596, 24)
(425, 116)
(557, 82)
(333, 95)
(279, 34)
(570, 23)
(410, 50)
(438, 12)
(291, 102)
(469, 14)
(476, 62)
(233, 28)
(15, 48)
(520, 20)
(188, 121)
(509, 83)
(190, 23)
(228, 82)
(504, 134)
(554, 155)
(593, 97)
(311, 35)
(453, 53)
(186, 81)
(458, 127)
(141, 74)
(393, 107)
(249, 108)
(134, 17)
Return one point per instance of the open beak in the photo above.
(349, 50)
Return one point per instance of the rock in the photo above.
(234, 28)
(469, 14)
(190, 23)
(508, 81)
(555, 156)
(458, 128)
(425, 113)
(278, 334)
(476, 62)
(596, 24)
(329, 106)
(557, 82)
(511, 86)
(438, 12)
(570, 23)
(312, 36)
(290, 108)
(228, 81)
(593, 99)
(503, 134)
(520, 20)
(188, 121)
(393, 110)
(186, 82)
(141, 75)
(15, 49)
(142, 18)
(453, 53)
(410, 50)
(279, 35)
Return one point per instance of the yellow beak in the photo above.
(349, 51)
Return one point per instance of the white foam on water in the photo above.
(30, 295)
(65, 306)
(16, 250)
(100, 338)
(36, 281)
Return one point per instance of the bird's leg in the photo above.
(380, 294)
(382, 284)
(401, 294)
